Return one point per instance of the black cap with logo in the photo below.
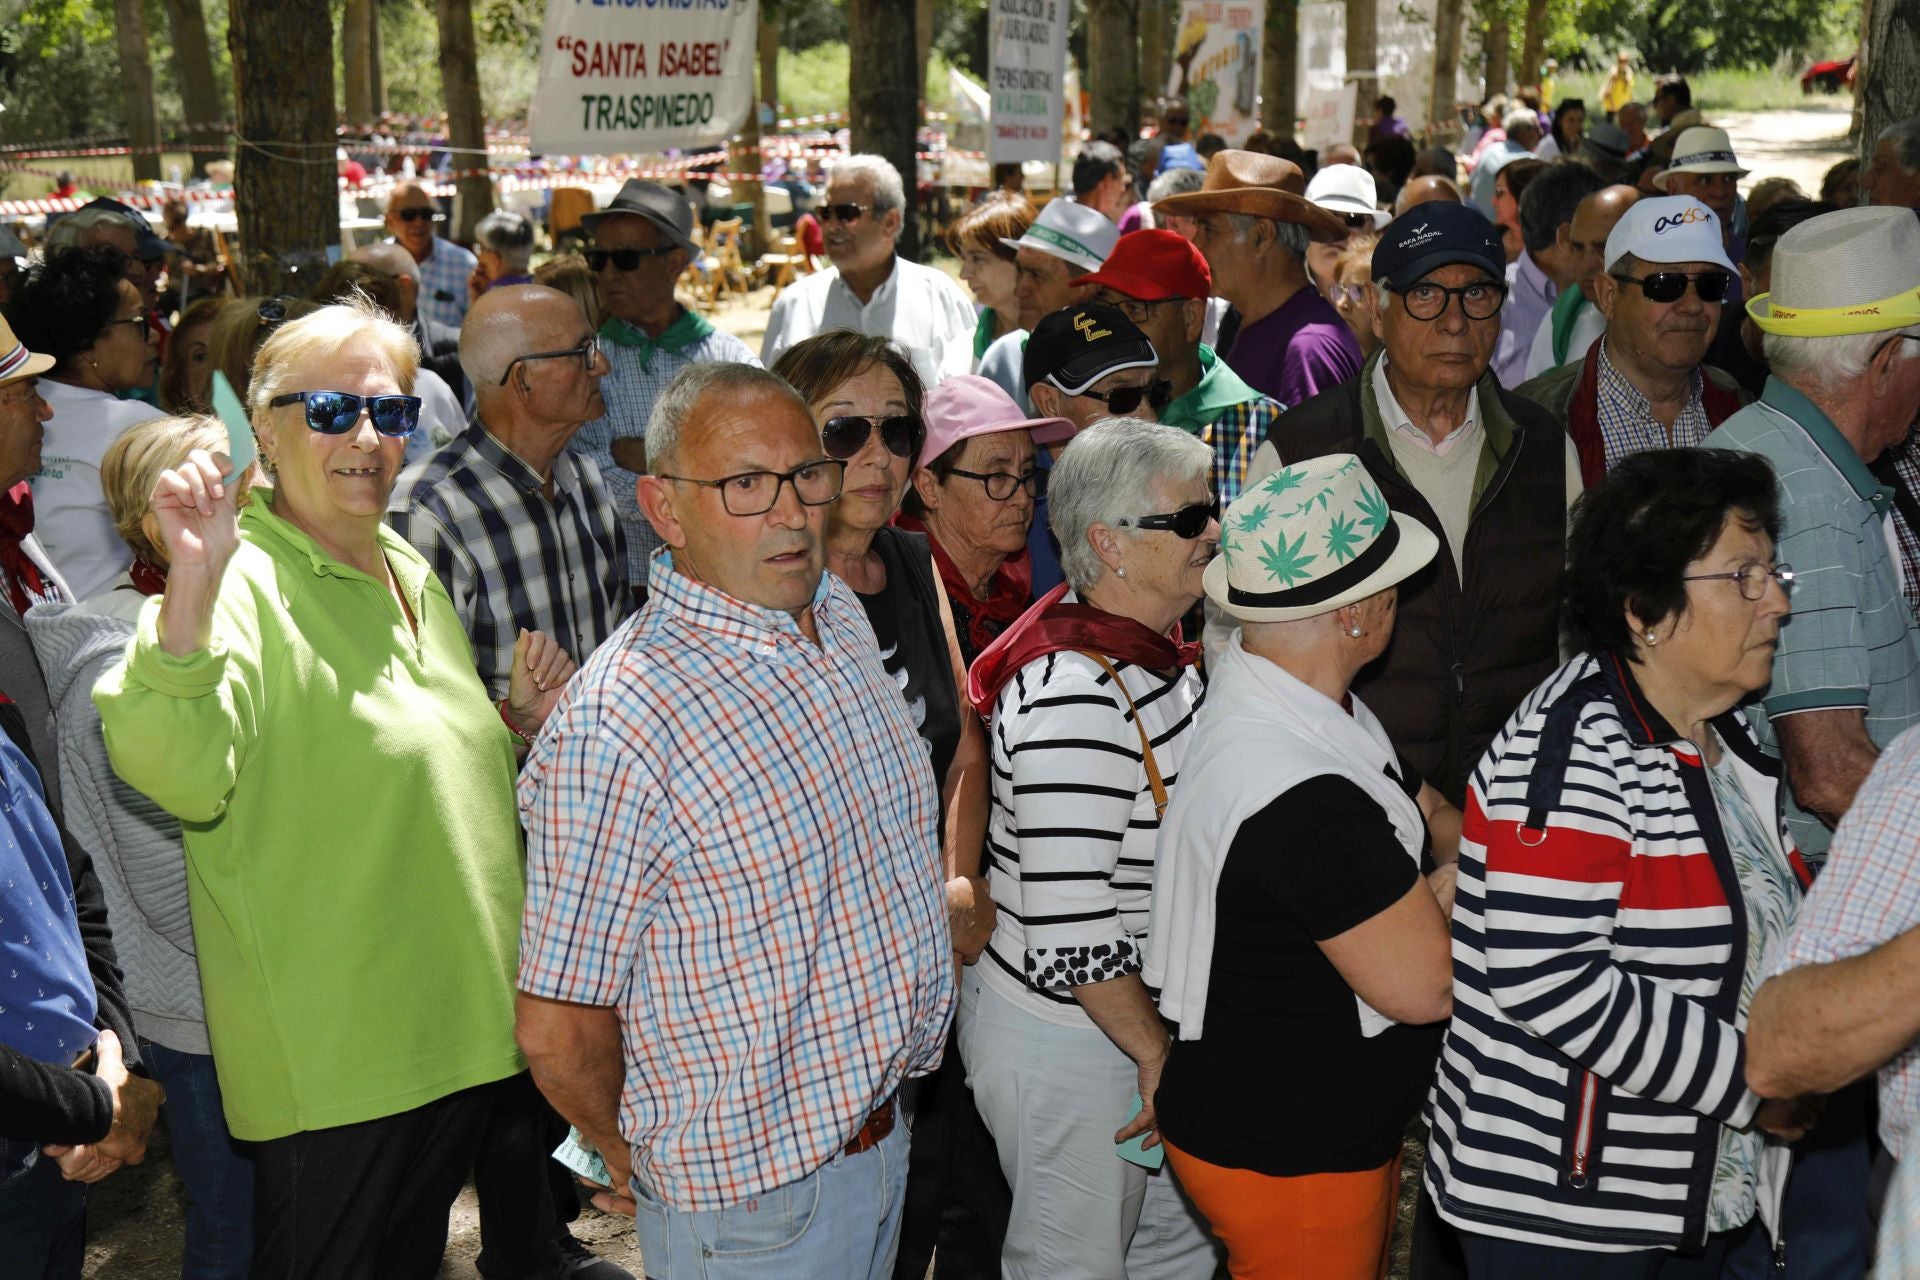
(1075, 347)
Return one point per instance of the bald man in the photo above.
(1575, 322)
(444, 266)
(1425, 190)
(439, 343)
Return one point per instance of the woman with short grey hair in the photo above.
(1092, 699)
(503, 241)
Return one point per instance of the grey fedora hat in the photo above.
(662, 206)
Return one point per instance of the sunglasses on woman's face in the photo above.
(1158, 393)
(1671, 286)
(1188, 522)
(847, 435)
(334, 413)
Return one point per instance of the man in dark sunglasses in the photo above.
(445, 267)
(1645, 383)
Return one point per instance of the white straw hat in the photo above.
(1310, 538)
(1071, 231)
(1849, 271)
(1701, 149)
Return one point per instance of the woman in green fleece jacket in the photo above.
(303, 698)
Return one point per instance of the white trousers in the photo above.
(1052, 1097)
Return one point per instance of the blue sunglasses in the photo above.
(333, 413)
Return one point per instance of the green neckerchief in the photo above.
(1826, 437)
(1218, 390)
(1566, 309)
(688, 328)
(983, 333)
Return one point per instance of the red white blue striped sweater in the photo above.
(1599, 937)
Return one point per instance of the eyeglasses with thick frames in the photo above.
(847, 435)
(624, 259)
(1001, 484)
(1752, 578)
(416, 215)
(1478, 301)
(588, 353)
(844, 212)
(1671, 286)
(754, 493)
(334, 413)
(1158, 393)
(139, 320)
(1136, 309)
(1189, 522)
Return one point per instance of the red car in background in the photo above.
(1828, 77)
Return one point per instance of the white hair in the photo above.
(65, 234)
(878, 170)
(684, 394)
(1290, 236)
(508, 234)
(1830, 364)
(390, 258)
(1905, 136)
(1107, 474)
(1175, 182)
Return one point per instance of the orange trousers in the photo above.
(1322, 1226)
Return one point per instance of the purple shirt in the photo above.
(1297, 351)
(1530, 296)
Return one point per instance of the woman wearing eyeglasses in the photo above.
(303, 698)
(1352, 294)
(80, 309)
(973, 496)
(1623, 872)
(1091, 698)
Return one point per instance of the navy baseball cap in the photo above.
(1430, 236)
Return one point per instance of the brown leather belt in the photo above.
(874, 1131)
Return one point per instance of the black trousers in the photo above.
(366, 1201)
(525, 1195)
(957, 1199)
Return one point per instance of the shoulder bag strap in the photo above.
(1146, 747)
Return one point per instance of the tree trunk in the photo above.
(466, 129)
(1113, 66)
(1499, 55)
(199, 91)
(1280, 72)
(1890, 91)
(884, 105)
(136, 84)
(770, 63)
(376, 75)
(743, 156)
(1533, 41)
(283, 91)
(356, 56)
(1156, 52)
(1363, 64)
(922, 41)
(1446, 60)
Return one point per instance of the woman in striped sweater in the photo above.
(1092, 698)
(1623, 871)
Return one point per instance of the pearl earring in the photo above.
(1120, 572)
(1356, 632)
(1651, 638)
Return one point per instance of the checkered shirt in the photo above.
(1627, 424)
(733, 841)
(510, 556)
(1904, 458)
(636, 380)
(443, 282)
(1869, 894)
(1235, 436)
(1850, 641)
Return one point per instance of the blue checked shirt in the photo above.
(511, 557)
(637, 378)
(1627, 424)
(733, 841)
(443, 282)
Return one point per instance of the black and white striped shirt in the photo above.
(1071, 833)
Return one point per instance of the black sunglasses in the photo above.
(1671, 286)
(847, 212)
(1158, 393)
(1188, 522)
(847, 435)
(624, 259)
(333, 413)
(414, 215)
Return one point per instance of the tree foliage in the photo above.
(1688, 35)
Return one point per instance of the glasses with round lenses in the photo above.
(754, 493)
(1750, 577)
(847, 435)
(1480, 300)
(1671, 286)
(1001, 484)
(333, 413)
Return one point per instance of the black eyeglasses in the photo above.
(624, 259)
(334, 413)
(1478, 301)
(753, 493)
(1188, 522)
(414, 215)
(1158, 393)
(1671, 286)
(1357, 221)
(1752, 577)
(847, 435)
(847, 212)
(140, 320)
(587, 352)
(1135, 309)
(1001, 484)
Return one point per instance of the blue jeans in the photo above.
(216, 1170)
(842, 1220)
(43, 1224)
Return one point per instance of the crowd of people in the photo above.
(1056, 782)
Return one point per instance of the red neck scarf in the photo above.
(26, 585)
(149, 579)
(1007, 595)
(1052, 626)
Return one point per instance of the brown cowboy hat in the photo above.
(1260, 185)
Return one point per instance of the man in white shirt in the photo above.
(870, 288)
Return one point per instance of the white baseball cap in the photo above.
(1668, 229)
(1071, 231)
(1347, 188)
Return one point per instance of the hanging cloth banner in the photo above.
(622, 76)
(1216, 66)
(1027, 81)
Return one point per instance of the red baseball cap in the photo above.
(1151, 265)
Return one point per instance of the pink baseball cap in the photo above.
(967, 405)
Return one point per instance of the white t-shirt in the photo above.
(69, 509)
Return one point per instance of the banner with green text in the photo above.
(642, 75)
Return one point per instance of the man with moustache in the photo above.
(1064, 243)
(1643, 385)
(1574, 323)
(733, 785)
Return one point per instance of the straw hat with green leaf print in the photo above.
(1310, 538)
